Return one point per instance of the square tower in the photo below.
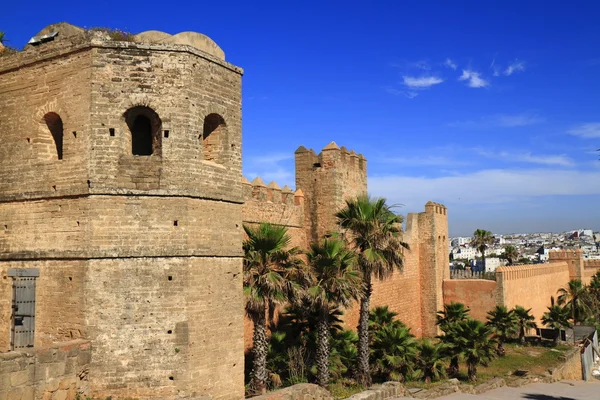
(120, 184)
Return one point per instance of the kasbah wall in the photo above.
(530, 286)
(121, 188)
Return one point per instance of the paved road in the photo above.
(536, 391)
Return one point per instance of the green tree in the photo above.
(374, 233)
(429, 360)
(272, 275)
(481, 241)
(1, 37)
(525, 321)
(503, 324)
(576, 299)
(594, 287)
(393, 353)
(511, 254)
(335, 282)
(446, 319)
(478, 346)
(556, 318)
(380, 317)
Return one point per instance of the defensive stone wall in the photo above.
(58, 372)
(480, 295)
(415, 294)
(120, 182)
(531, 286)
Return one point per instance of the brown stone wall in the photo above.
(327, 180)
(531, 286)
(60, 301)
(140, 254)
(29, 89)
(58, 372)
(167, 325)
(479, 295)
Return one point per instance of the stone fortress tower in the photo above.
(121, 210)
(121, 195)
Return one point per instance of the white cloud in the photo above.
(586, 131)
(276, 167)
(517, 66)
(396, 92)
(450, 64)
(560, 160)
(423, 82)
(485, 186)
(473, 79)
(424, 65)
(423, 161)
(500, 120)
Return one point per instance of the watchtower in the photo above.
(327, 181)
(120, 191)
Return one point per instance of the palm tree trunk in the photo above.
(522, 335)
(472, 371)
(483, 260)
(322, 352)
(557, 337)
(363, 374)
(501, 351)
(454, 367)
(260, 344)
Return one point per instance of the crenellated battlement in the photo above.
(435, 208)
(591, 263)
(257, 190)
(332, 156)
(565, 254)
(527, 270)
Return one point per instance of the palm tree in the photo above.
(393, 353)
(429, 360)
(481, 240)
(271, 276)
(373, 231)
(594, 287)
(525, 321)
(335, 283)
(575, 298)
(478, 347)
(452, 313)
(503, 324)
(556, 318)
(380, 317)
(511, 254)
(446, 319)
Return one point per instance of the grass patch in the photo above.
(536, 360)
(341, 390)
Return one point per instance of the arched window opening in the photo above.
(145, 126)
(55, 126)
(213, 137)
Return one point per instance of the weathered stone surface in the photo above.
(303, 391)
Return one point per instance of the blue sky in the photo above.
(492, 108)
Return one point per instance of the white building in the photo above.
(464, 252)
(459, 241)
(490, 264)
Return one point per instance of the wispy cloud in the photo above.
(424, 161)
(485, 186)
(560, 160)
(422, 82)
(424, 65)
(474, 79)
(397, 92)
(516, 66)
(587, 131)
(450, 64)
(500, 121)
(271, 167)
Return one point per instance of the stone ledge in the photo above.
(302, 391)
(380, 392)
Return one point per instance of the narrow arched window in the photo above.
(55, 126)
(144, 125)
(214, 135)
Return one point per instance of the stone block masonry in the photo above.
(120, 182)
(57, 372)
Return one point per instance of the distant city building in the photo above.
(490, 264)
